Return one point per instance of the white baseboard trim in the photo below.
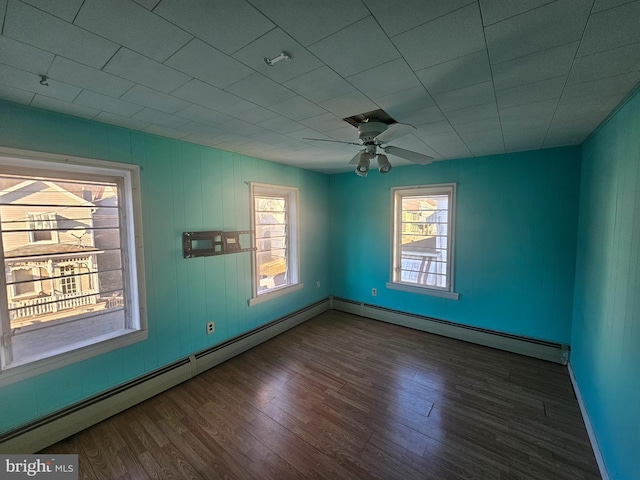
(587, 423)
(70, 420)
(553, 352)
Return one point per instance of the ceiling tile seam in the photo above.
(530, 83)
(614, 7)
(77, 12)
(537, 52)
(495, 98)
(4, 20)
(433, 19)
(518, 14)
(611, 77)
(575, 56)
(609, 49)
(313, 43)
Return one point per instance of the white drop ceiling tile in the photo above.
(604, 87)
(80, 75)
(478, 126)
(233, 125)
(247, 111)
(3, 9)
(148, 4)
(269, 137)
(488, 142)
(428, 130)
(35, 27)
(549, 26)
(208, 64)
(48, 103)
(165, 132)
(206, 140)
(405, 101)
(472, 114)
(451, 36)
(349, 105)
(271, 45)
(321, 84)
(157, 117)
(13, 94)
(309, 22)
(143, 70)
(531, 92)
(120, 121)
(203, 94)
(14, 77)
(601, 5)
(605, 64)
(527, 126)
(64, 9)
(544, 108)
(23, 56)
(588, 109)
(386, 79)
(227, 26)
(376, 50)
(297, 108)
(460, 72)
(396, 19)
(307, 133)
(260, 90)
(148, 97)
(465, 97)
(204, 115)
(324, 122)
(450, 148)
(612, 28)
(551, 63)
(281, 125)
(106, 103)
(430, 114)
(497, 10)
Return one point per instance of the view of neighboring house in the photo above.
(424, 240)
(271, 241)
(62, 259)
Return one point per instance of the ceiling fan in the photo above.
(374, 135)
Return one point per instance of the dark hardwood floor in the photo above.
(343, 397)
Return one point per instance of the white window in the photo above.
(274, 213)
(71, 248)
(422, 257)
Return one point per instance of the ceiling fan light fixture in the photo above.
(362, 169)
(383, 163)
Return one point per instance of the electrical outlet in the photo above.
(211, 327)
(318, 284)
(374, 292)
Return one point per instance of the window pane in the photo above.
(422, 253)
(271, 241)
(63, 263)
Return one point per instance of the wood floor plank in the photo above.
(345, 397)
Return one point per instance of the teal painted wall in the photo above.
(185, 187)
(605, 353)
(515, 240)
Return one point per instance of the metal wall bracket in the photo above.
(206, 244)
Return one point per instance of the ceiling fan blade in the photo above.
(332, 141)
(356, 158)
(395, 130)
(414, 157)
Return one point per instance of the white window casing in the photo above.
(85, 276)
(275, 269)
(422, 256)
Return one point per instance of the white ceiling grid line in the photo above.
(475, 77)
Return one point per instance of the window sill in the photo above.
(423, 291)
(265, 297)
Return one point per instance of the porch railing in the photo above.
(51, 304)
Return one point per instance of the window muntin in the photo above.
(79, 286)
(423, 237)
(275, 235)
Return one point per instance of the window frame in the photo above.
(397, 194)
(292, 241)
(72, 167)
